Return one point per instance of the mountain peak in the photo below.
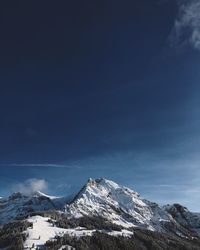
(15, 196)
(102, 182)
(106, 198)
(91, 182)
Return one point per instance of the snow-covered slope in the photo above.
(122, 206)
(42, 231)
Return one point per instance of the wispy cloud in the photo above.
(73, 165)
(31, 185)
(187, 24)
(47, 165)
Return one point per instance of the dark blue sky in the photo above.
(101, 88)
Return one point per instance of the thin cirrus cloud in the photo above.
(73, 165)
(47, 165)
(187, 24)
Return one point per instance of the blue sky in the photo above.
(101, 89)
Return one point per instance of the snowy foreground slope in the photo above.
(51, 218)
(42, 231)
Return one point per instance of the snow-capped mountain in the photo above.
(18, 206)
(124, 207)
(104, 198)
(101, 206)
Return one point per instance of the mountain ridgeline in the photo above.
(107, 212)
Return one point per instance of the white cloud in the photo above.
(32, 185)
(187, 25)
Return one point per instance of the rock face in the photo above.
(184, 217)
(104, 198)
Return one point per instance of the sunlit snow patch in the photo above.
(42, 231)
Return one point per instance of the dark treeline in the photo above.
(142, 240)
(12, 236)
(87, 222)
